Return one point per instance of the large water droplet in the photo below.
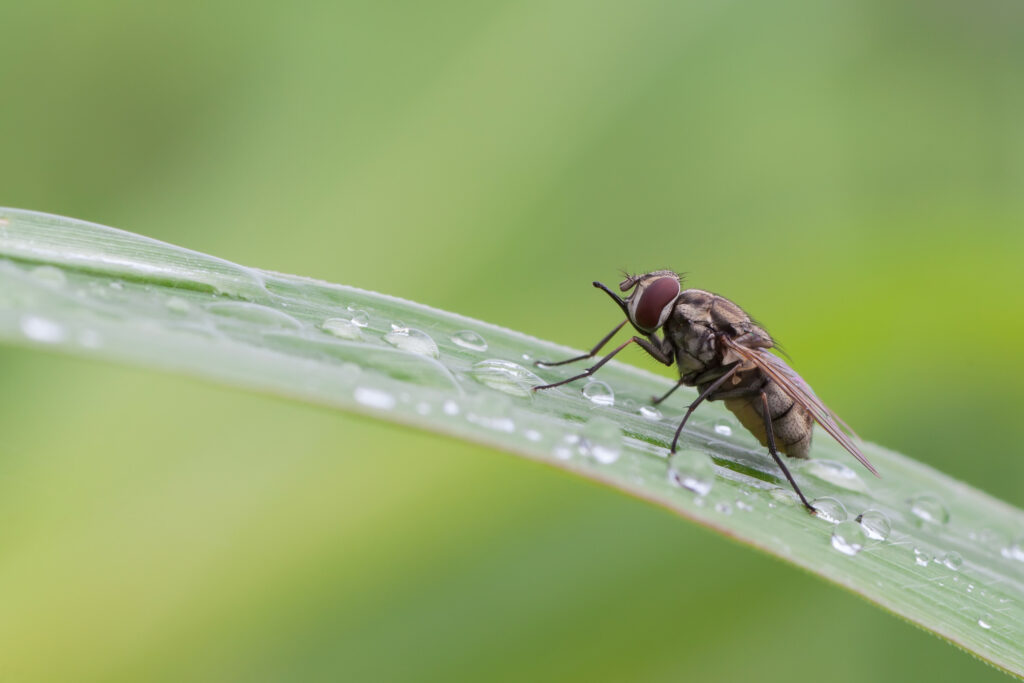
(599, 392)
(928, 508)
(412, 340)
(835, 473)
(42, 329)
(985, 621)
(244, 311)
(922, 558)
(374, 398)
(876, 525)
(848, 537)
(723, 427)
(342, 327)
(692, 470)
(49, 275)
(953, 560)
(358, 316)
(506, 376)
(468, 339)
(830, 510)
(650, 412)
(602, 440)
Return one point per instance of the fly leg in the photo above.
(592, 369)
(700, 399)
(591, 354)
(775, 454)
(655, 400)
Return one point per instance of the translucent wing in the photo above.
(797, 389)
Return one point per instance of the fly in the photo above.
(725, 354)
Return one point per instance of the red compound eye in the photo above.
(655, 297)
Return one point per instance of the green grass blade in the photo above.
(930, 549)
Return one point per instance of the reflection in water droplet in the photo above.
(412, 340)
(599, 392)
(602, 440)
(50, 275)
(927, 507)
(830, 510)
(176, 304)
(985, 621)
(359, 317)
(848, 538)
(244, 311)
(922, 557)
(953, 560)
(42, 330)
(876, 525)
(835, 473)
(374, 398)
(691, 470)
(468, 339)
(506, 376)
(723, 427)
(341, 327)
(650, 412)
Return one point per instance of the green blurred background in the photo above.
(851, 173)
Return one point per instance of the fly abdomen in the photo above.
(792, 424)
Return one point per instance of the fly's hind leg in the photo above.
(775, 454)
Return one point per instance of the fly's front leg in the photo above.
(590, 354)
(592, 369)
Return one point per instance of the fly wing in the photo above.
(797, 389)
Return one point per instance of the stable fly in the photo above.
(720, 350)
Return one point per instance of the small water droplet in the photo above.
(602, 440)
(42, 330)
(342, 327)
(374, 398)
(876, 525)
(117, 286)
(450, 407)
(970, 588)
(506, 376)
(176, 304)
(835, 473)
(985, 621)
(723, 508)
(692, 470)
(1014, 551)
(359, 317)
(848, 538)
(723, 427)
(412, 340)
(599, 392)
(928, 508)
(567, 446)
(49, 275)
(744, 505)
(953, 560)
(650, 412)
(468, 339)
(830, 510)
(922, 558)
(532, 435)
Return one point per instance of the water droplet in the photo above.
(359, 317)
(566, 446)
(848, 538)
(835, 473)
(953, 560)
(723, 508)
(876, 525)
(723, 427)
(970, 588)
(374, 398)
(412, 340)
(1014, 551)
(602, 440)
(468, 339)
(342, 327)
(599, 392)
(506, 376)
(423, 408)
(176, 304)
(532, 435)
(692, 470)
(985, 621)
(830, 510)
(244, 311)
(490, 411)
(922, 558)
(450, 407)
(49, 275)
(928, 508)
(42, 330)
(744, 505)
(650, 412)
(117, 286)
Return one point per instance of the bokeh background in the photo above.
(851, 173)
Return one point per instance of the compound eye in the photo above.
(654, 299)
